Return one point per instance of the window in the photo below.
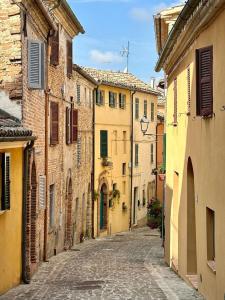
(100, 100)
(114, 186)
(78, 93)
(152, 112)
(69, 58)
(54, 121)
(68, 125)
(188, 90)
(136, 108)
(71, 125)
(124, 187)
(112, 99)
(210, 220)
(54, 43)
(145, 108)
(36, 65)
(204, 84)
(175, 101)
(122, 101)
(51, 205)
(152, 153)
(103, 143)
(124, 142)
(124, 167)
(136, 154)
(5, 176)
(85, 95)
(90, 98)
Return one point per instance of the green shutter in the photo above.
(104, 143)
(136, 154)
(6, 181)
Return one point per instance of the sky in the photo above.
(109, 25)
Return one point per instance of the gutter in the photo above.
(15, 139)
(132, 155)
(27, 150)
(181, 21)
(47, 15)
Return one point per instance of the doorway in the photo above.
(191, 222)
(103, 207)
(135, 205)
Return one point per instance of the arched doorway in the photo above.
(33, 215)
(68, 226)
(103, 207)
(191, 222)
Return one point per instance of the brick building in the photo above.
(39, 87)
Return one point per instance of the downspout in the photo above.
(27, 150)
(93, 162)
(132, 155)
(46, 151)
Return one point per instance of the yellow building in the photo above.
(192, 57)
(115, 141)
(13, 141)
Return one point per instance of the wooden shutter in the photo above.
(136, 154)
(145, 108)
(110, 99)
(104, 143)
(175, 102)
(54, 58)
(6, 164)
(136, 108)
(69, 58)
(68, 126)
(54, 133)
(152, 112)
(74, 129)
(204, 61)
(188, 90)
(34, 64)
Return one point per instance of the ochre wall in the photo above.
(11, 226)
(203, 141)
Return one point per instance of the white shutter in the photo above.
(36, 64)
(42, 191)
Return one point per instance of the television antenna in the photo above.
(126, 53)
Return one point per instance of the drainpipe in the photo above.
(93, 163)
(132, 155)
(27, 150)
(47, 91)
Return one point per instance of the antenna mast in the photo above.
(126, 53)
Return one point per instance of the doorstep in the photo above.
(194, 280)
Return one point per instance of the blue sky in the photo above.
(109, 25)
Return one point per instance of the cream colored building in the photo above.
(116, 173)
(193, 60)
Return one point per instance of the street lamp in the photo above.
(144, 125)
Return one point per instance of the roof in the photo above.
(11, 127)
(83, 73)
(161, 101)
(120, 79)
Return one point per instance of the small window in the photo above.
(152, 112)
(124, 167)
(51, 205)
(136, 108)
(74, 126)
(78, 93)
(124, 187)
(5, 175)
(136, 154)
(54, 121)
(103, 143)
(152, 153)
(124, 142)
(114, 186)
(210, 219)
(145, 108)
(112, 99)
(36, 65)
(100, 100)
(122, 101)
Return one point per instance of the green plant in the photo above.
(154, 214)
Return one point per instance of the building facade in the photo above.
(193, 62)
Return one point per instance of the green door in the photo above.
(102, 210)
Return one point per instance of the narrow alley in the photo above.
(125, 266)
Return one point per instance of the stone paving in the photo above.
(125, 266)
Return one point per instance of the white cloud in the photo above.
(140, 14)
(105, 57)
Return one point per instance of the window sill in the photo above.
(212, 265)
(2, 212)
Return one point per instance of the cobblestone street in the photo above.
(126, 266)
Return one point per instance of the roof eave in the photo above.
(73, 17)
